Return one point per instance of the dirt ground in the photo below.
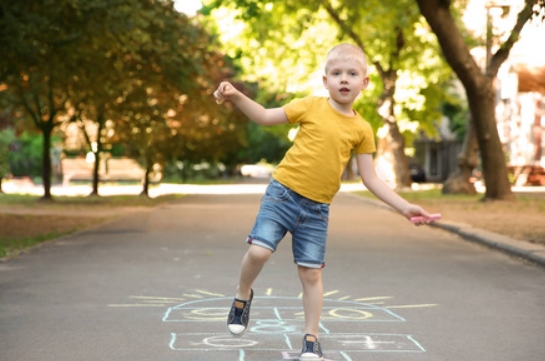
(523, 219)
(21, 225)
(43, 219)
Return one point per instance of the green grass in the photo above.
(61, 201)
(435, 195)
(204, 181)
(23, 231)
(17, 199)
(429, 195)
(12, 246)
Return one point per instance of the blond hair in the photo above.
(347, 51)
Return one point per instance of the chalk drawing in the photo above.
(277, 324)
(291, 355)
(336, 343)
(279, 308)
(228, 341)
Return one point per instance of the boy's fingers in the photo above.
(218, 94)
(219, 90)
(425, 219)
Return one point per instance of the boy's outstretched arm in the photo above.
(380, 189)
(255, 111)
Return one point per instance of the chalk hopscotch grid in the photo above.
(336, 343)
(278, 331)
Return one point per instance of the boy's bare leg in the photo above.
(313, 295)
(252, 264)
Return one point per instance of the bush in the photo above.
(25, 157)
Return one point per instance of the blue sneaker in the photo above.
(239, 316)
(312, 350)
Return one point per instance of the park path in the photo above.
(156, 285)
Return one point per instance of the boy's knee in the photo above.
(310, 275)
(259, 254)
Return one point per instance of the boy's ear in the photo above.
(324, 80)
(365, 83)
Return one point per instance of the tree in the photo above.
(110, 41)
(145, 53)
(166, 108)
(81, 60)
(40, 45)
(6, 137)
(400, 43)
(479, 86)
(386, 30)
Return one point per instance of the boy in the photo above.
(305, 182)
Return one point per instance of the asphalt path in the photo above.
(157, 285)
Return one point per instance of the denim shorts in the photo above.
(283, 210)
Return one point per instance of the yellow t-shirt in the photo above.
(313, 166)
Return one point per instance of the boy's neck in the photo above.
(345, 109)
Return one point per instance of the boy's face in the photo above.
(345, 78)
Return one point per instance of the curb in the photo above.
(529, 251)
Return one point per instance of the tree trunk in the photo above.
(96, 167)
(145, 182)
(96, 177)
(391, 153)
(401, 163)
(459, 182)
(46, 160)
(350, 174)
(479, 89)
(495, 173)
(46, 123)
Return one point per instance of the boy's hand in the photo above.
(418, 214)
(225, 91)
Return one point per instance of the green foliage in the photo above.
(166, 111)
(90, 61)
(281, 45)
(366, 104)
(267, 143)
(26, 155)
(43, 58)
(6, 137)
(264, 144)
(396, 39)
(458, 114)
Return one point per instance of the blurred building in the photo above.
(520, 96)
(520, 107)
